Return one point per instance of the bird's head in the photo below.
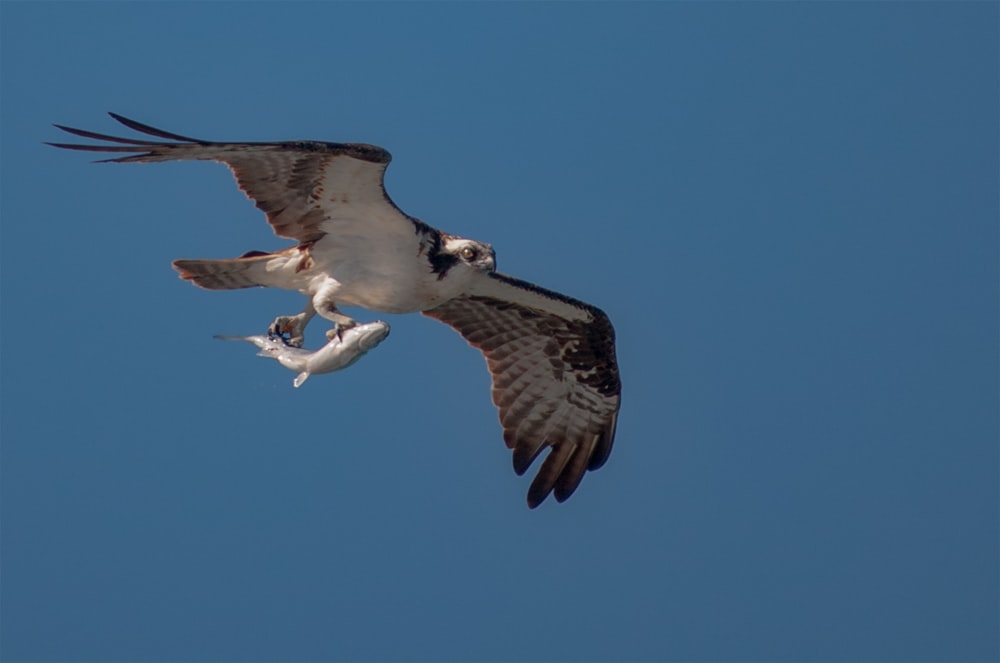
(470, 254)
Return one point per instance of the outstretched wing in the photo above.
(306, 188)
(555, 376)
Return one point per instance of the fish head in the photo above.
(366, 336)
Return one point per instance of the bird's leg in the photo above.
(292, 326)
(340, 322)
(325, 306)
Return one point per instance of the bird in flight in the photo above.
(551, 358)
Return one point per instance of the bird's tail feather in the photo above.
(247, 271)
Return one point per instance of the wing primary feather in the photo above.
(528, 437)
(550, 471)
(104, 148)
(108, 148)
(525, 453)
(153, 131)
(96, 136)
(572, 475)
(603, 448)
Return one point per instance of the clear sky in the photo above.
(789, 211)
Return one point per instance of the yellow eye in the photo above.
(468, 253)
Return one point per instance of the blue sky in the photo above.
(789, 211)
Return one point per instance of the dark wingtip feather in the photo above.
(525, 453)
(94, 148)
(537, 494)
(100, 148)
(573, 472)
(96, 136)
(603, 449)
(538, 491)
(153, 131)
(549, 473)
(139, 158)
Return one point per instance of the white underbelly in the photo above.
(394, 281)
(384, 295)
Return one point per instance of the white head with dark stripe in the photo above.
(456, 258)
(474, 255)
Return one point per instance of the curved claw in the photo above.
(339, 327)
(289, 328)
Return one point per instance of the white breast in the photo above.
(389, 275)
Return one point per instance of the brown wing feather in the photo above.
(555, 377)
(304, 187)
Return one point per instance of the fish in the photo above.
(339, 353)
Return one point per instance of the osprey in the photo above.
(551, 357)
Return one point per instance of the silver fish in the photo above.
(336, 355)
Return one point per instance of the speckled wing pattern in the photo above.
(306, 188)
(555, 376)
